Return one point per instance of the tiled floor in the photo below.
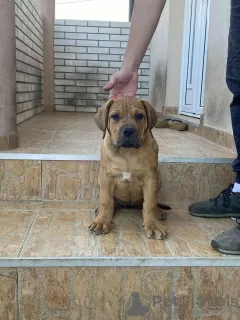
(60, 229)
(77, 133)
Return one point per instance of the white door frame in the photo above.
(201, 45)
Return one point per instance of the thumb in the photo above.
(110, 84)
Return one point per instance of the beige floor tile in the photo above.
(35, 134)
(62, 230)
(178, 247)
(20, 180)
(78, 136)
(14, 226)
(31, 146)
(67, 205)
(41, 124)
(71, 131)
(70, 147)
(60, 233)
(187, 231)
(202, 249)
(8, 298)
(19, 205)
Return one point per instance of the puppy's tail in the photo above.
(163, 206)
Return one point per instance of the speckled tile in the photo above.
(141, 293)
(8, 298)
(35, 134)
(192, 182)
(70, 180)
(73, 147)
(67, 205)
(58, 133)
(77, 180)
(63, 232)
(31, 146)
(81, 125)
(19, 205)
(14, 226)
(78, 136)
(20, 180)
(52, 234)
(45, 122)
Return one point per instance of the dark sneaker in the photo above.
(226, 205)
(228, 242)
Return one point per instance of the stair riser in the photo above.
(182, 183)
(179, 293)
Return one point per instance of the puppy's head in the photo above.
(127, 120)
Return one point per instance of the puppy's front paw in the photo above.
(155, 230)
(100, 226)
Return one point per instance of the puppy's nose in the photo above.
(128, 131)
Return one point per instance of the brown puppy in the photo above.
(129, 163)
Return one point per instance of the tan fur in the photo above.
(138, 166)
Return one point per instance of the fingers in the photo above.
(122, 83)
(110, 84)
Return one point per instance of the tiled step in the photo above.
(76, 180)
(52, 268)
(58, 159)
(77, 134)
(120, 293)
(60, 229)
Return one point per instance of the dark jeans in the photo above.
(233, 75)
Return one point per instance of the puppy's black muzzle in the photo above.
(128, 137)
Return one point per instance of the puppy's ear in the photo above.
(151, 114)
(101, 118)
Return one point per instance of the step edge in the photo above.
(72, 157)
(120, 262)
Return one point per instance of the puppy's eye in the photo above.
(115, 116)
(139, 116)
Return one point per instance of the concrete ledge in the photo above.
(120, 262)
(96, 157)
(9, 142)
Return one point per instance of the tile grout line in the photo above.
(50, 140)
(29, 230)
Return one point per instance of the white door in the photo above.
(194, 57)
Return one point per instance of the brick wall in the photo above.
(29, 64)
(87, 53)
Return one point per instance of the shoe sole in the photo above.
(228, 252)
(224, 251)
(213, 215)
(215, 246)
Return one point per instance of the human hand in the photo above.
(123, 83)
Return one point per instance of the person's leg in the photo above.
(227, 204)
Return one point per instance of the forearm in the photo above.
(145, 18)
